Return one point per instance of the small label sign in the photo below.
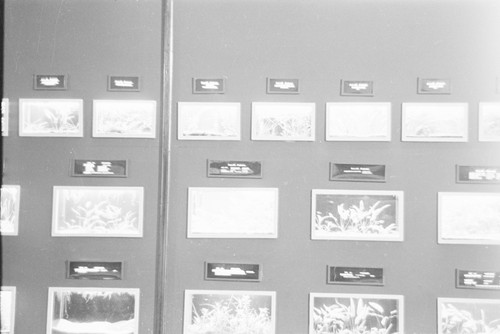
(282, 86)
(478, 174)
(357, 172)
(232, 271)
(233, 168)
(355, 275)
(434, 86)
(208, 86)
(356, 88)
(94, 270)
(50, 82)
(101, 168)
(473, 279)
(123, 83)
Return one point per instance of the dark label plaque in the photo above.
(478, 174)
(101, 168)
(355, 275)
(94, 270)
(357, 172)
(123, 83)
(282, 86)
(208, 86)
(232, 168)
(474, 279)
(50, 82)
(357, 88)
(434, 86)
(232, 271)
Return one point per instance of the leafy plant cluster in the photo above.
(8, 208)
(357, 219)
(457, 321)
(361, 318)
(126, 123)
(56, 121)
(102, 216)
(96, 306)
(286, 127)
(234, 315)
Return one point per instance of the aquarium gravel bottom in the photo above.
(96, 327)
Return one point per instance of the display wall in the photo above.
(86, 41)
(388, 43)
(244, 191)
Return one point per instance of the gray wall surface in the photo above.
(321, 42)
(87, 40)
(247, 41)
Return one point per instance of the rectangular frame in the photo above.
(357, 172)
(434, 86)
(124, 83)
(95, 306)
(98, 168)
(283, 121)
(478, 174)
(356, 88)
(124, 119)
(489, 122)
(94, 270)
(234, 169)
(7, 309)
(225, 212)
(355, 276)
(237, 311)
(241, 272)
(282, 86)
(356, 312)
(208, 121)
(334, 212)
(435, 122)
(468, 218)
(456, 312)
(81, 211)
(10, 202)
(358, 121)
(477, 279)
(5, 106)
(209, 86)
(50, 82)
(51, 118)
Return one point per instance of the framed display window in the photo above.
(124, 119)
(7, 309)
(435, 122)
(462, 315)
(208, 121)
(97, 211)
(366, 121)
(283, 121)
(357, 215)
(468, 218)
(10, 200)
(5, 116)
(93, 310)
(229, 311)
(50, 117)
(355, 313)
(489, 121)
(223, 212)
